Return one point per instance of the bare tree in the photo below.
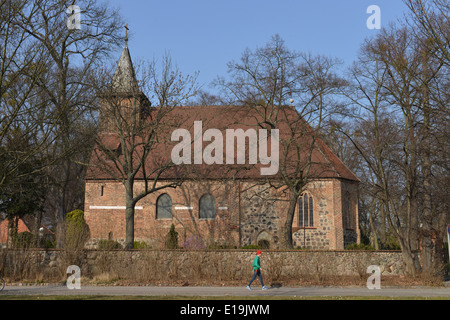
(430, 24)
(393, 88)
(414, 86)
(73, 55)
(268, 80)
(27, 127)
(131, 145)
(431, 20)
(22, 63)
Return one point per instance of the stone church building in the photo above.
(226, 204)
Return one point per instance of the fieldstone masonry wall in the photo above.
(260, 217)
(151, 265)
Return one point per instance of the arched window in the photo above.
(207, 207)
(305, 210)
(164, 207)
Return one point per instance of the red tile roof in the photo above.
(21, 227)
(296, 141)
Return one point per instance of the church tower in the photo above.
(123, 103)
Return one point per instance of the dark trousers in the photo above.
(257, 273)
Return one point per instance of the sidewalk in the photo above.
(426, 292)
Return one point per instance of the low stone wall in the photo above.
(147, 266)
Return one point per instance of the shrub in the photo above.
(109, 245)
(76, 217)
(76, 230)
(76, 233)
(23, 239)
(361, 246)
(48, 244)
(251, 246)
(172, 238)
(140, 245)
(194, 243)
(391, 243)
(221, 246)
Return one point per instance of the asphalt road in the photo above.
(226, 291)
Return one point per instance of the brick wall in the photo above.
(246, 213)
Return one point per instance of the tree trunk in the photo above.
(427, 250)
(129, 226)
(288, 242)
(373, 230)
(383, 238)
(410, 259)
(426, 230)
(129, 214)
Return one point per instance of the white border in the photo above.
(184, 208)
(113, 207)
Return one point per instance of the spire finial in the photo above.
(126, 35)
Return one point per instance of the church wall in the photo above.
(185, 214)
(326, 232)
(246, 213)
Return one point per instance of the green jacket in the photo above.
(256, 263)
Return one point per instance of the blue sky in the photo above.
(203, 35)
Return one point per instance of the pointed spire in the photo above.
(124, 79)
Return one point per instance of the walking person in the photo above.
(257, 271)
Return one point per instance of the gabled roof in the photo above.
(304, 147)
(301, 146)
(21, 227)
